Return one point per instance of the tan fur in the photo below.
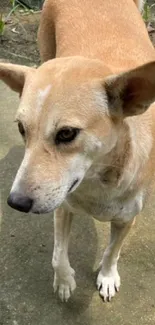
(77, 33)
(100, 80)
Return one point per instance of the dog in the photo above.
(87, 119)
(140, 4)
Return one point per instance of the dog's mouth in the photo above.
(44, 211)
(25, 204)
(72, 187)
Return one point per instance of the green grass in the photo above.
(2, 25)
(15, 4)
(147, 12)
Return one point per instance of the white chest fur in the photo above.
(106, 202)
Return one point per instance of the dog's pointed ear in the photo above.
(132, 92)
(14, 75)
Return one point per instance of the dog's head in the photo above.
(70, 111)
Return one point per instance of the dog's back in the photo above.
(110, 30)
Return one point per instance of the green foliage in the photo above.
(12, 3)
(146, 13)
(15, 4)
(2, 25)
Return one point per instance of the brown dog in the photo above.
(87, 124)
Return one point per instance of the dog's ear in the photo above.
(132, 92)
(14, 75)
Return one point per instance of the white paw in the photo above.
(108, 284)
(64, 284)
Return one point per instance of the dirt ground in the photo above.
(19, 42)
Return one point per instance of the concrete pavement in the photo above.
(26, 244)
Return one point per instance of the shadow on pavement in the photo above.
(26, 274)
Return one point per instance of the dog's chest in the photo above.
(103, 198)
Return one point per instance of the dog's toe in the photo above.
(65, 286)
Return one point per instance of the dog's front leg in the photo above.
(108, 280)
(64, 275)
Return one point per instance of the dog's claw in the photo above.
(116, 288)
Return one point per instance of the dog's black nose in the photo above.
(19, 202)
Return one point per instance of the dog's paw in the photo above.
(108, 285)
(65, 285)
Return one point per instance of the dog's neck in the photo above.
(115, 161)
(120, 166)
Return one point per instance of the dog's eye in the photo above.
(21, 129)
(66, 134)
